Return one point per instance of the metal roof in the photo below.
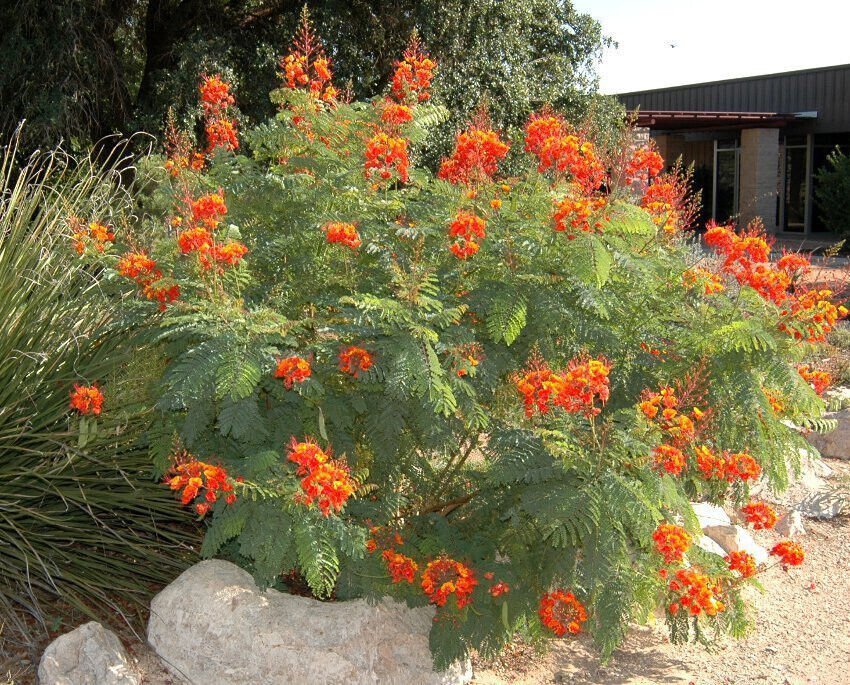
(675, 120)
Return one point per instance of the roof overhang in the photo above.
(694, 121)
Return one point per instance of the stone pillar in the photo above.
(759, 176)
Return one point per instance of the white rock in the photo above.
(790, 525)
(213, 625)
(710, 545)
(736, 539)
(88, 655)
(822, 505)
(835, 444)
(710, 514)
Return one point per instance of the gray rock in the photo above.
(710, 514)
(88, 655)
(835, 444)
(822, 505)
(790, 525)
(736, 539)
(710, 545)
(213, 625)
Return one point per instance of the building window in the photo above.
(797, 172)
(727, 167)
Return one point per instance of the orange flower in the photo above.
(475, 159)
(196, 478)
(138, 267)
(710, 282)
(163, 291)
(394, 114)
(292, 370)
(561, 612)
(741, 465)
(537, 387)
(342, 233)
(444, 577)
(742, 562)
(468, 229)
(197, 239)
(696, 592)
(230, 253)
(583, 384)
(790, 553)
(386, 156)
(221, 133)
(819, 380)
(645, 164)
(87, 400)
(329, 484)
(307, 455)
(760, 514)
(812, 311)
(575, 214)
(558, 148)
(499, 589)
(95, 235)
(215, 94)
(353, 360)
(669, 459)
(383, 538)
(400, 567)
(413, 74)
(671, 542)
(306, 67)
(209, 210)
(220, 127)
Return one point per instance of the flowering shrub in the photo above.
(524, 378)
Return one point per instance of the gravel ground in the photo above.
(802, 632)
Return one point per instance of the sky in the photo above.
(715, 40)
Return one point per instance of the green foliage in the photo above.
(832, 192)
(434, 432)
(84, 529)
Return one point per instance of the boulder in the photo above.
(88, 655)
(835, 444)
(822, 505)
(736, 539)
(710, 514)
(214, 625)
(710, 545)
(790, 525)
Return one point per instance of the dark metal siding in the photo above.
(826, 91)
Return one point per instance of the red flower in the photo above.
(575, 214)
(353, 360)
(394, 114)
(583, 384)
(444, 577)
(329, 484)
(499, 589)
(306, 67)
(697, 593)
(561, 612)
(138, 267)
(645, 164)
(671, 542)
(209, 210)
(342, 233)
(741, 465)
(558, 148)
(412, 77)
(197, 239)
(221, 133)
(760, 514)
(790, 553)
(307, 455)
(86, 400)
(743, 563)
(199, 479)
(400, 567)
(468, 229)
(219, 125)
(475, 158)
(215, 94)
(670, 459)
(293, 370)
(230, 253)
(386, 156)
(537, 387)
(95, 235)
(383, 538)
(819, 380)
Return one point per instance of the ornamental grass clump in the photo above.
(494, 395)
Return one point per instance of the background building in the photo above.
(755, 143)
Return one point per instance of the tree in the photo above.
(81, 70)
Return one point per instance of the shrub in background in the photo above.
(832, 192)
(496, 395)
(83, 527)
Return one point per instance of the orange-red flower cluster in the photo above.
(413, 74)
(815, 312)
(561, 612)
(194, 477)
(209, 210)
(475, 159)
(696, 592)
(790, 553)
(726, 466)
(219, 124)
(325, 481)
(383, 538)
(576, 390)
(342, 233)
(742, 562)
(292, 370)
(444, 577)
(575, 214)
(663, 408)
(468, 357)
(644, 164)
(353, 360)
(400, 567)
(710, 282)
(670, 459)
(819, 380)
(386, 157)
(775, 401)
(760, 514)
(558, 148)
(499, 589)
(664, 200)
(86, 400)
(306, 67)
(671, 542)
(177, 162)
(140, 268)
(468, 230)
(394, 114)
(96, 236)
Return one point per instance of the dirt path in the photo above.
(802, 635)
